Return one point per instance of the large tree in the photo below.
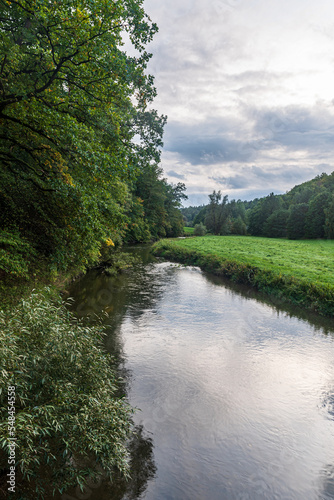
(72, 105)
(217, 212)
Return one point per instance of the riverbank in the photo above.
(64, 385)
(300, 272)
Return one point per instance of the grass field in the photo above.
(300, 271)
(188, 230)
(306, 259)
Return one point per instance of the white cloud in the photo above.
(244, 83)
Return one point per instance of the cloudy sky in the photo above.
(248, 88)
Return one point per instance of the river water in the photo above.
(235, 395)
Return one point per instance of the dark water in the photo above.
(236, 395)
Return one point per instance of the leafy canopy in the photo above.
(74, 124)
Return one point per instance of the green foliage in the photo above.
(160, 203)
(200, 229)
(74, 125)
(261, 212)
(296, 221)
(138, 229)
(269, 216)
(315, 217)
(15, 254)
(68, 417)
(239, 226)
(329, 221)
(189, 214)
(276, 224)
(217, 213)
(301, 223)
(200, 217)
(297, 271)
(116, 262)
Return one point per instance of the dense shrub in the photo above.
(200, 229)
(68, 417)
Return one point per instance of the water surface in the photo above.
(236, 395)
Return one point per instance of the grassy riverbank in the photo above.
(300, 272)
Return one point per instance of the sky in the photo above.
(248, 88)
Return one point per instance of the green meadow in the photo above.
(300, 271)
(307, 259)
(188, 230)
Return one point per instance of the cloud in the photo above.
(171, 173)
(219, 141)
(248, 90)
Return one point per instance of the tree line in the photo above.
(79, 141)
(304, 212)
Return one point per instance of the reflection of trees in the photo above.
(328, 403)
(110, 299)
(320, 323)
(142, 468)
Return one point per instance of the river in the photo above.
(235, 395)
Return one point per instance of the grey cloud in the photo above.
(317, 121)
(293, 128)
(221, 89)
(209, 150)
(172, 173)
(282, 178)
(236, 182)
(207, 143)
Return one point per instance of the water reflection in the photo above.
(143, 469)
(236, 393)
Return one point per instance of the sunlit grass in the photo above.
(311, 260)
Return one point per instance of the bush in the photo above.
(200, 229)
(67, 412)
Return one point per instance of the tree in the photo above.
(296, 221)
(189, 214)
(260, 213)
(216, 213)
(200, 217)
(315, 218)
(276, 224)
(200, 229)
(160, 201)
(71, 103)
(239, 226)
(329, 221)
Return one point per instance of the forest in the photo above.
(304, 212)
(80, 141)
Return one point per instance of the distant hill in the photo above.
(306, 211)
